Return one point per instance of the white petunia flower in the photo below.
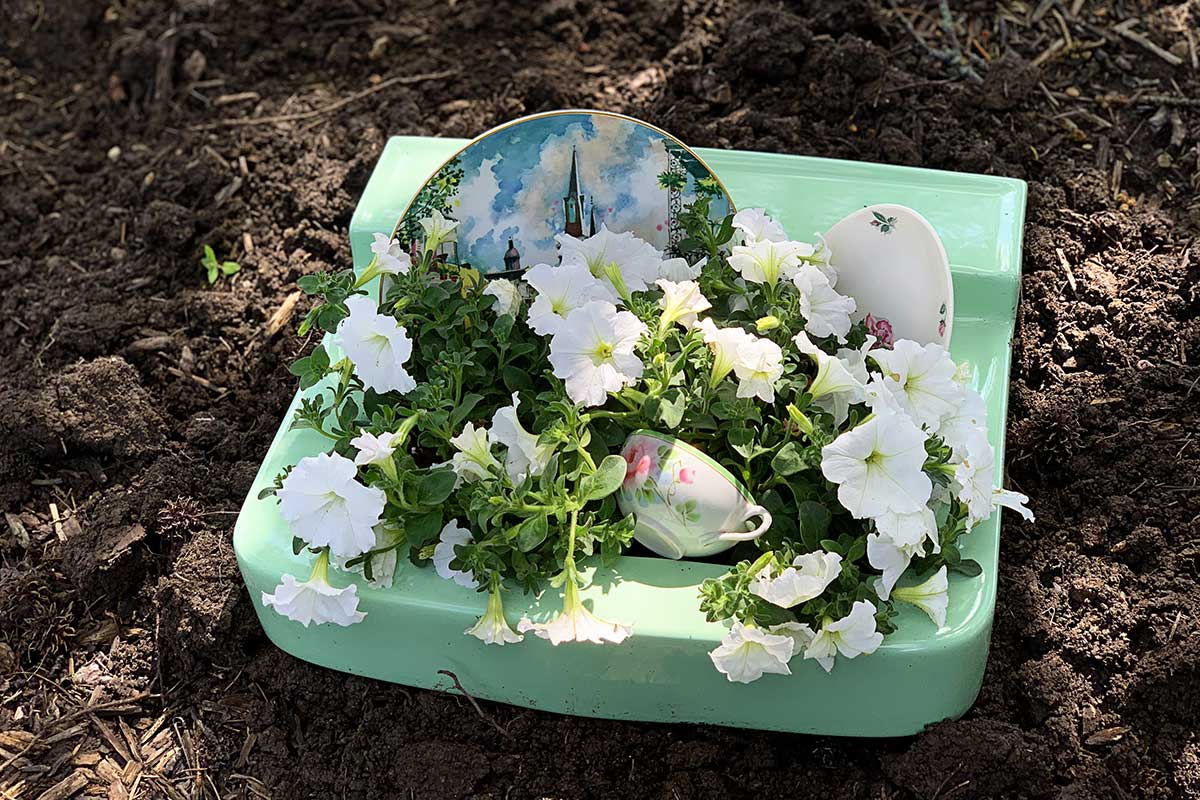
(1014, 501)
(724, 344)
(492, 627)
(856, 360)
(746, 654)
(922, 379)
(474, 459)
(315, 600)
(756, 226)
(594, 352)
(835, 387)
(826, 312)
(438, 230)
(443, 554)
(678, 269)
(377, 345)
(325, 505)
(932, 596)
(807, 578)
(766, 261)
(575, 623)
(758, 364)
(975, 476)
(878, 467)
(853, 635)
(390, 258)
(625, 263)
(879, 397)
(910, 529)
(681, 302)
(524, 456)
(820, 255)
(800, 634)
(900, 539)
(970, 416)
(560, 290)
(383, 565)
(508, 299)
(373, 449)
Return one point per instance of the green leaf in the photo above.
(463, 409)
(503, 327)
(670, 412)
(230, 267)
(741, 440)
(434, 488)
(604, 481)
(969, 567)
(515, 379)
(724, 410)
(330, 315)
(814, 522)
(347, 414)
(789, 460)
(421, 529)
(532, 532)
(309, 284)
(857, 550)
(726, 231)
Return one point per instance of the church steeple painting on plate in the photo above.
(517, 187)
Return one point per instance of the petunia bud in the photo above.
(799, 420)
(767, 323)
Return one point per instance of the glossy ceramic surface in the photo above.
(662, 673)
(686, 504)
(892, 262)
(517, 187)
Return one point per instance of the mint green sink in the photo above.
(662, 673)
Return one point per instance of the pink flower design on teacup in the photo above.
(881, 329)
(637, 465)
(687, 475)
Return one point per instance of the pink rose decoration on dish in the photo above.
(881, 329)
(687, 475)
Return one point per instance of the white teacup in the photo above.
(685, 503)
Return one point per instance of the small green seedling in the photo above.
(216, 268)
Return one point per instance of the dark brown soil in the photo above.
(137, 400)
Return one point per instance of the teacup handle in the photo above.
(745, 536)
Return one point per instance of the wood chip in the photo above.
(1107, 736)
(108, 771)
(227, 192)
(17, 529)
(238, 97)
(67, 787)
(1124, 29)
(283, 314)
(1066, 265)
(58, 527)
(113, 741)
(247, 242)
(62, 736)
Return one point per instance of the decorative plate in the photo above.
(518, 186)
(892, 262)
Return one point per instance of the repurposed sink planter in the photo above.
(662, 673)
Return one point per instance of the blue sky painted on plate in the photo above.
(514, 182)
